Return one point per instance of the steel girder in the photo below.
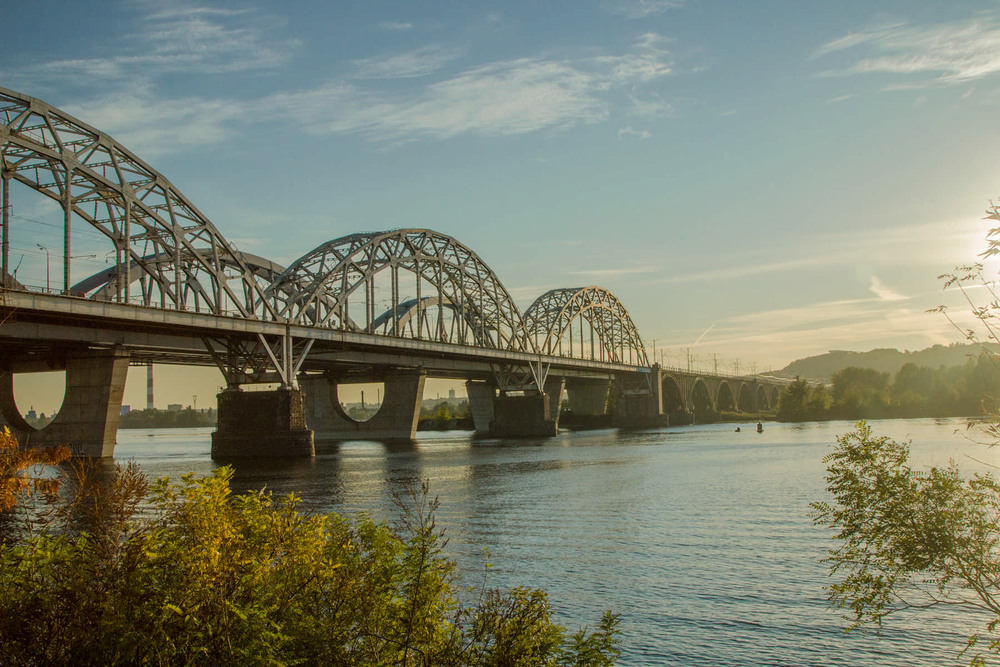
(319, 289)
(551, 317)
(139, 211)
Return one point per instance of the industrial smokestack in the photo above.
(149, 386)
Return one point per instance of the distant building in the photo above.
(174, 407)
(451, 394)
(31, 416)
(126, 409)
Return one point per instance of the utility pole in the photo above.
(5, 221)
(46, 266)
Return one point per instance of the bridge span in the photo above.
(393, 306)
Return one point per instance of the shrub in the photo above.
(132, 573)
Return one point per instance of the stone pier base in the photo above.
(525, 416)
(639, 410)
(87, 422)
(261, 424)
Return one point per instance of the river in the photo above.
(698, 536)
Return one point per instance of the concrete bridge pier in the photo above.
(396, 419)
(638, 404)
(528, 414)
(523, 415)
(588, 397)
(87, 422)
(482, 396)
(261, 424)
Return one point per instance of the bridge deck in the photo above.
(34, 326)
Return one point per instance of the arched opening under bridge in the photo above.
(763, 403)
(360, 401)
(746, 398)
(701, 398)
(725, 402)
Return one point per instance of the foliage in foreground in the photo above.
(15, 463)
(206, 577)
(910, 539)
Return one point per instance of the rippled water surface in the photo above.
(699, 536)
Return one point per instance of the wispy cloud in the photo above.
(502, 98)
(419, 62)
(175, 37)
(506, 97)
(937, 245)
(638, 9)
(499, 98)
(780, 335)
(395, 26)
(884, 293)
(949, 53)
(614, 273)
(151, 127)
(629, 132)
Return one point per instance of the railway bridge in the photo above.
(394, 306)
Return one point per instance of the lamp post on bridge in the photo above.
(46, 266)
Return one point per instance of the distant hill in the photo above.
(884, 360)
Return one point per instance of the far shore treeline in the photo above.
(855, 393)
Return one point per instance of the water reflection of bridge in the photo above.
(395, 306)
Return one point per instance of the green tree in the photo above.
(800, 402)
(910, 539)
(818, 403)
(860, 393)
(913, 539)
(792, 401)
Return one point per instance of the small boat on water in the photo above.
(760, 427)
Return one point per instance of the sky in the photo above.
(756, 181)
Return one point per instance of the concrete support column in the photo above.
(588, 397)
(87, 422)
(261, 424)
(639, 401)
(396, 419)
(482, 395)
(523, 416)
(637, 410)
(554, 387)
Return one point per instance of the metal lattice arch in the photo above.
(103, 285)
(143, 216)
(584, 322)
(412, 283)
(406, 283)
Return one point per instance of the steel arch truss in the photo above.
(609, 335)
(138, 210)
(413, 283)
(104, 285)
